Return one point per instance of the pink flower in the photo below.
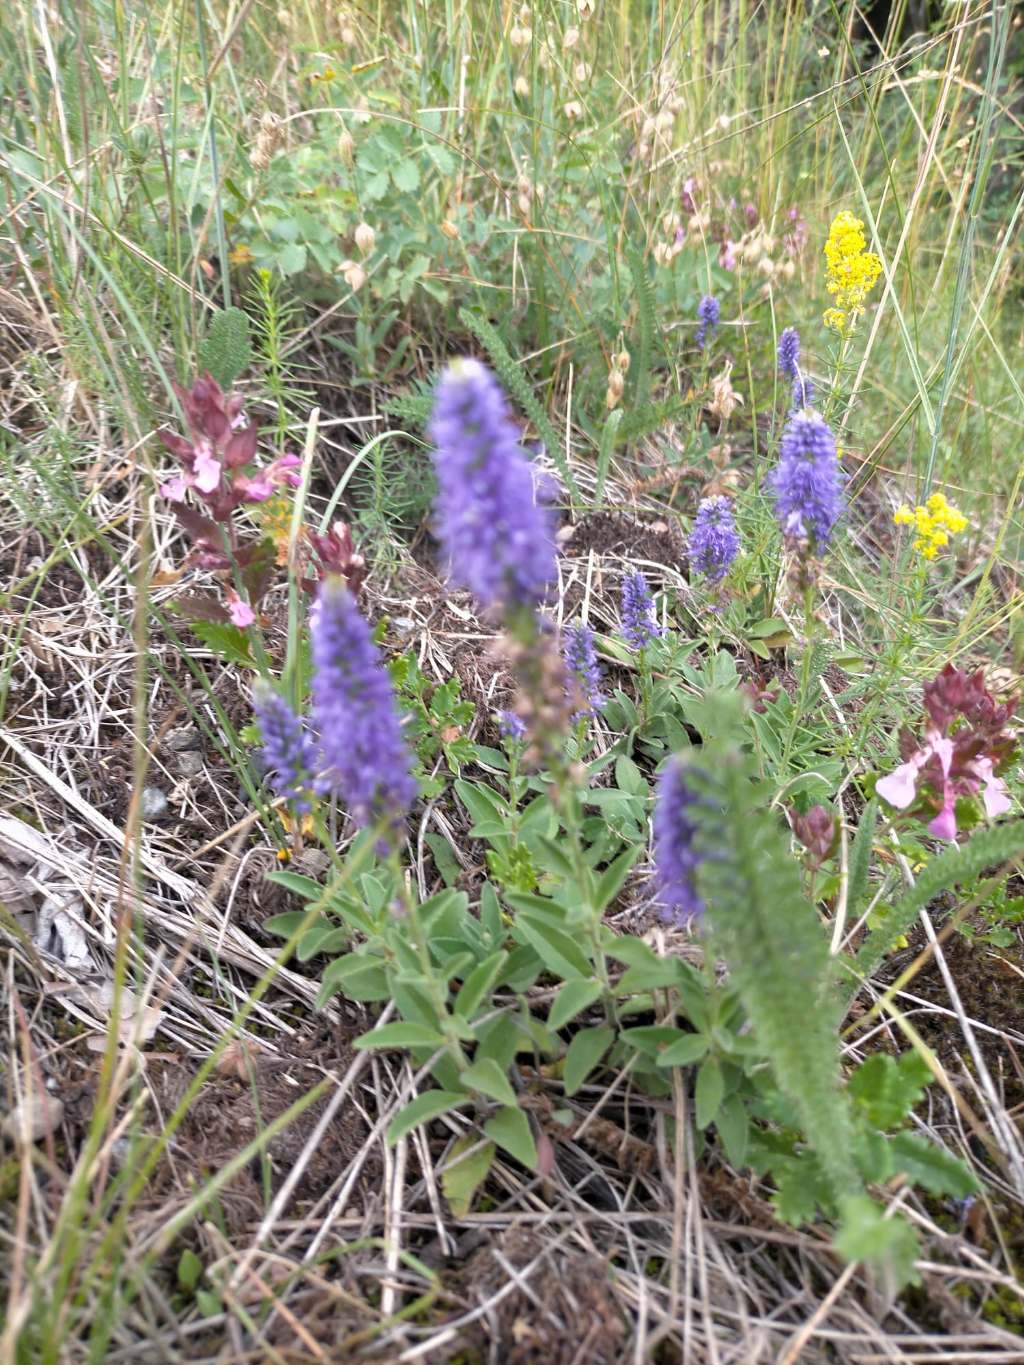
(995, 797)
(206, 470)
(966, 737)
(900, 787)
(174, 490)
(727, 255)
(240, 612)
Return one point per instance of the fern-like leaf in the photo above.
(772, 941)
(988, 848)
(512, 377)
(644, 292)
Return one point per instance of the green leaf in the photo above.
(284, 925)
(733, 1125)
(560, 954)
(710, 1092)
(228, 642)
(650, 976)
(510, 1129)
(430, 1105)
(402, 1034)
(305, 887)
(572, 999)
(291, 258)
(889, 1244)
(226, 349)
(887, 1089)
(585, 1051)
(487, 1077)
(684, 1051)
(629, 778)
(190, 1270)
(479, 983)
(612, 878)
(406, 175)
(467, 1167)
(929, 1166)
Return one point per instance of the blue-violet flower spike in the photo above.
(496, 537)
(511, 726)
(789, 353)
(639, 624)
(288, 756)
(708, 310)
(808, 482)
(676, 858)
(714, 543)
(584, 672)
(364, 756)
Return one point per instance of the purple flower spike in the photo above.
(584, 673)
(789, 365)
(364, 756)
(789, 353)
(808, 482)
(639, 624)
(495, 536)
(675, 857)
(287, 758)
(714, 543)
(511, 726)
(709, 311)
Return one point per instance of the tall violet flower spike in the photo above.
(808, 482)
(584, 673)
(708, 310)
(789, 365)
(676, 858)
(494, 533)
(364, 757)
(288, 756)
(714, 542)
(639, 625)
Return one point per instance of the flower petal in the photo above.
(900, 787)
(207, 470)
(944, 824)
(240, 612)
(995, 797)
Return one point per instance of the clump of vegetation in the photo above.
(512, 679)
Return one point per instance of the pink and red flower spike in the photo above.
(965, 742)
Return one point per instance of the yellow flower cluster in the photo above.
(852, 272)
(934, 524)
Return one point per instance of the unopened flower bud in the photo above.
(621, 361)
(449, 230)
(365, 238)
(522, 87)
(616, 387)
(346, 147)
(585, 9)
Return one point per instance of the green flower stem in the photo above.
(810, 630)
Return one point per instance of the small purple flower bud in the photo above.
(714, 543)
(288, 757)
(364, 756)
(676, 858)
(808, 482)
(495, 535)
(584, 673)
(639, 624)
(511, 726)
(709, 311)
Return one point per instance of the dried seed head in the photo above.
(524, 205)
(520, 37)
(365, 238)
(621, 361)
(346, 147)
(449, 230)
(573, 110)
(662, 253)
(585, 9)
(522, 87)
(581, 73)
(766, 267)
(788, 269)
(570, 38)
(616, 386)
(354, 275)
